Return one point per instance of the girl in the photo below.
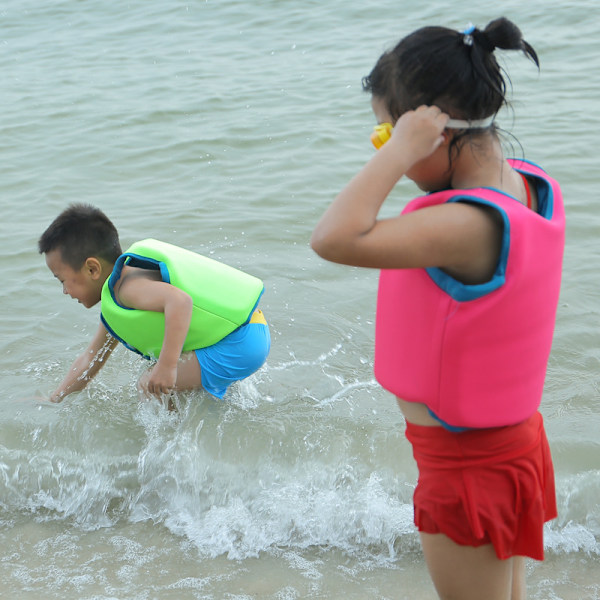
(466, 304)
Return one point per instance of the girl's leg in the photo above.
(519, 591)
(468, 573)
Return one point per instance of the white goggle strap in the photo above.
(478, 124)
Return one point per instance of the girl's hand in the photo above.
(420, 132)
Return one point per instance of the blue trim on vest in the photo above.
(448, 427)
(462, 292)
(251, 312)
(143, 262)
(120, 339)
(135, 260)
(544, 189)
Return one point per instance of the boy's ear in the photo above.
(93, 267)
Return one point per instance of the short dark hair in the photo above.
(79, 232)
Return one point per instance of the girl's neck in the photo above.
(480, 163)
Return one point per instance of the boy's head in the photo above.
(81, 246)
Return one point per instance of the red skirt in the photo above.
(485, 486)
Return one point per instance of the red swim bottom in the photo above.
(486, 486)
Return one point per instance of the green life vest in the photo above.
(223, 298)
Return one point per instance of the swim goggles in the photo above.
(383, 132)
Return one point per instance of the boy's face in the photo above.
(84, 285)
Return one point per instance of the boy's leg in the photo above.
(468, 573)
(233, 358)
(188, 374)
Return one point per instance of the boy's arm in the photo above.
(147, 294)
(86, 365)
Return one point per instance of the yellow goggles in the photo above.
(381, 134)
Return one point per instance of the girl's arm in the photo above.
(446, 236)
(147, 294)
(86, 365)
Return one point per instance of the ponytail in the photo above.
(504, 34)
(456, 71)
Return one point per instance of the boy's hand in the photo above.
(55, 397)
(161, 380)
(86, 365)
(147, 294)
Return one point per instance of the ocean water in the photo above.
(227, 127)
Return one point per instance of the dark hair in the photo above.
(455, 71)
(80, 232)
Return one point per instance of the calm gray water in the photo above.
(227, 127)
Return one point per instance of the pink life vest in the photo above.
(476, 355)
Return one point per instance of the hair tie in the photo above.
(472, 34)
(468, 34)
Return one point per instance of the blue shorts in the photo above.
(236, 356)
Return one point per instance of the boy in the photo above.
(196, 316)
